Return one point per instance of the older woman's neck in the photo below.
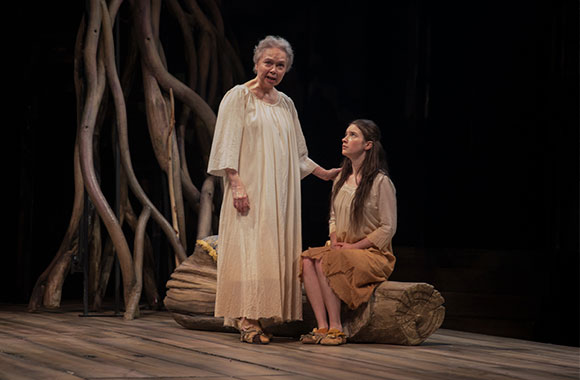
(259, 90)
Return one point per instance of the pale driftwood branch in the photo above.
(206, 48)
(178, 190)
(140, 247)
(121, 117)
(133, 303)
(204, 222)
(156, 111)
(95, 68)
(214, 15)
(149, 286)
(68, 245)
(94, 95)
(169, 150)
(174, 177)
(113, 8)
(213, 24)
(190, 49)
(61, 261)
(107, 261)
(145, 37)
(190, 192)
(95, 248)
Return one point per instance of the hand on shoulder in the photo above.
(326, 174)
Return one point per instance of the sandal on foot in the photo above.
(334, 337)
(314, 337)
(253, 335)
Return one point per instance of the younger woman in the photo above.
(363, 220)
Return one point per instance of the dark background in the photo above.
(478, 106)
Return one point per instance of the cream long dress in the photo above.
(258, 253)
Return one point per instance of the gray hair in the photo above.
(274, 42)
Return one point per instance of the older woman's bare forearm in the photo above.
(326, 174)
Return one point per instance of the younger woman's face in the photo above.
(354, 143)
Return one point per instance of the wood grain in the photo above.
(63, 345)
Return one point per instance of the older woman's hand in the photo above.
(239, 194)
(241, 200)
(326, 175)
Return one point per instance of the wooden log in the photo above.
(404, 313)
(191, 289)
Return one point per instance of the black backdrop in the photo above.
(478, 105)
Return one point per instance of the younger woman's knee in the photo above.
(307, 264)
(318, 266)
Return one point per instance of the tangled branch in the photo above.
(213, 67)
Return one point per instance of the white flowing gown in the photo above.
(258, 253)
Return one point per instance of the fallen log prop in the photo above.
(404, 313)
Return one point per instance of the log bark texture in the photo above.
(191, 289)
(403, 313)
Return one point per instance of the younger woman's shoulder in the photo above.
(383, 178)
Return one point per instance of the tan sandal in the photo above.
(334, 337)
(314, 337)
(254, 335)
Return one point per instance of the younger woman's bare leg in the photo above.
(331, 301)
(313, 292)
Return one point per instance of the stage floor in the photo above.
(63, 345)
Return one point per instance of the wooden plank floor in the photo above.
(64, 345)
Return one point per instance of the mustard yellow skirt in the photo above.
(353, 274)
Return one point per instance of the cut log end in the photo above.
(398, 313)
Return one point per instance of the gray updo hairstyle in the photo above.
(274, 42)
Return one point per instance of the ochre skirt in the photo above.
(353, 274)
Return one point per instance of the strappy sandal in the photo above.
(253, 335)
(314, 337)
(334, 337)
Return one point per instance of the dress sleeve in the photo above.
(331, 221)
(307, 166)
(227, 138)
(332, 218)
(387, 212)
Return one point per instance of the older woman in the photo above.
(259, 150)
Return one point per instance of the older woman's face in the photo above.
(271, 67)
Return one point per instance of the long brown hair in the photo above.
(375, 162)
